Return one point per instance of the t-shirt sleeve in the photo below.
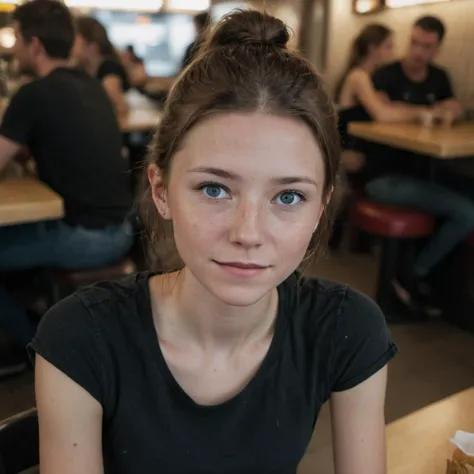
(361, 342)
(445, 86)
(69, 338)
(19, 119)
(110, 68)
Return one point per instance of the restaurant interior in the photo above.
(430, 393)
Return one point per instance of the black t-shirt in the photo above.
(69, 124)
(110, 67)
(394, 82)
(327, 338)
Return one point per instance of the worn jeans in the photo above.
(53, 244)
(456, 210)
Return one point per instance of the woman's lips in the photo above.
(241, 269)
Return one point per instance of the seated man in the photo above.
(68, 123)
(415, 80)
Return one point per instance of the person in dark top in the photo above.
(223, 365)
(415, 80)
(96, 54)
(202, 21)
(135, 68)
(66, 120)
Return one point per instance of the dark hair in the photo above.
(51, 22)
(93, 31)
(245, 66)
(372, 35)
(432, 24)
(202, 20)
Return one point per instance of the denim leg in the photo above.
(53, 244)
(456, 210)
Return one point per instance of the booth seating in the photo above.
(394, 225)
(63, 282)
(19, 443)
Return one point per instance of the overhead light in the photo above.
(194, 5)
(407, 3)
(136, 5)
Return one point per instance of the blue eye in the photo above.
(214, 191)
(289, 198)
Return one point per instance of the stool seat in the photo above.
(470, 240)
(391, 221)
(78, 278)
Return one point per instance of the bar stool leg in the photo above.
(387, 270)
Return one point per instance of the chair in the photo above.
(19, 443)
(65, 281)
(394, 225)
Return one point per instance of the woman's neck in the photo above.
(187, 311)
(93, 64)
(368, 66)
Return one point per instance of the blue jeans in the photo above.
(456, 210)
(53, 244)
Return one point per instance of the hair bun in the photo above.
(250, 27)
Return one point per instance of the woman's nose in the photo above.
(247, 225)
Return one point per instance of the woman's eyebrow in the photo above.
(225, 174)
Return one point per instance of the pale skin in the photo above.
(214, 328)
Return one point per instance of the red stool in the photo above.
(470, 240)
(393, 224)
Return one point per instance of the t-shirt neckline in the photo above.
(154, 348)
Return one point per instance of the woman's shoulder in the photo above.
(320, 303)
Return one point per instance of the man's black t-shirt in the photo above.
(328, 338)
(110, 67)
(69, 124)
(394, 82)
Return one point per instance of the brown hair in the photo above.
(93, 31)
(372, 35)
(245, 66)
(51, 22)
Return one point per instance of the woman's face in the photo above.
(244, 196)
(81, 50)
(385, 53)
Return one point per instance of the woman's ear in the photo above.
(159, 192)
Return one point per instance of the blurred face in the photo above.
(244, 196)
(424, 46)
(24, 52)
(81, 50)
(385, 52)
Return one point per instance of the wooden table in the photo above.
(141, 120)
(24, 200)
(419, 443)
(439, 142)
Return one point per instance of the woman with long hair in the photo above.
(223, 364)
(97, 55)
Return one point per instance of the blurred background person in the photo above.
(135, 68)
(202, 21)
(69, 125)
(97, 55)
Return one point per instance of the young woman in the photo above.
(94, 51)
(223, 365)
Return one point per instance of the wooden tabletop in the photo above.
(141, 120)
(436, 141)
(419, 443)
(25, 200)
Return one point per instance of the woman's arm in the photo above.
(381, 110)
(113, 86)
(70, 424)
(358, 426)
